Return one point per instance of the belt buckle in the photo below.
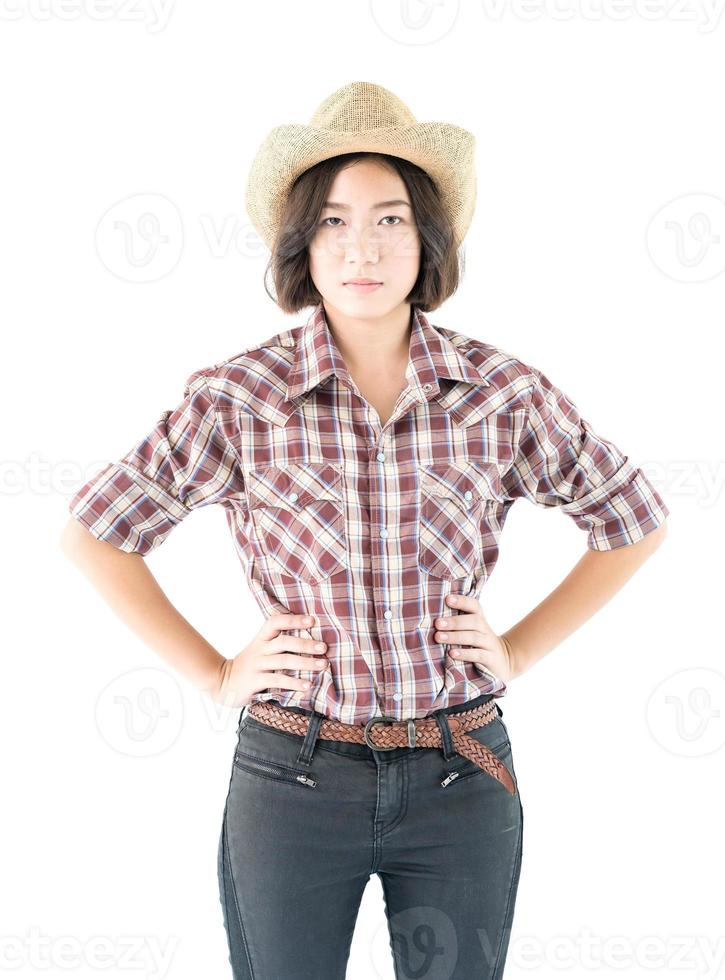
(388, 748)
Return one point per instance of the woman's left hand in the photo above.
(471, 637)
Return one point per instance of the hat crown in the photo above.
(360, 106)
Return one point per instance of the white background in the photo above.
(597, 253)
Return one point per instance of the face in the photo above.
(366, 230)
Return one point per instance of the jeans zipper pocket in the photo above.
(273, 771)
(454, 774)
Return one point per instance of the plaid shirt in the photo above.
(368, 528)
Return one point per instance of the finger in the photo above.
(284, 621)
(466, 603)
(476, 654)
(293, 661)
(284, 681)
(462, 621)
(471, 638)
(284, 642)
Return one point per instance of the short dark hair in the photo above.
(441, 265)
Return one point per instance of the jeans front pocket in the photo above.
(297, 512)
(495, 737)
(272, 770)
(263, 751)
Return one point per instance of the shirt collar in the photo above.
(430, 356)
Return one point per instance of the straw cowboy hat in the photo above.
(362, 116)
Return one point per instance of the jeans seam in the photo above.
(514, 876)
(227, 859)
(390, 931)
(377, 854)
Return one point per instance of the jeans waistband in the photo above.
(449, 710)
(363, 751)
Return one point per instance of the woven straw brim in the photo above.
(443, 150)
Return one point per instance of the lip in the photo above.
(362, 287)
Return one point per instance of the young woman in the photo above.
(366, 461)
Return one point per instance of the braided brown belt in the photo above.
(421, 733)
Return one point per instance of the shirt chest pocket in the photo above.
(454, 498)
(298, 518)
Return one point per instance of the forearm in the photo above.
(130, 589)
(596, 577)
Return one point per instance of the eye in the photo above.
(395, 217)
(331, 218)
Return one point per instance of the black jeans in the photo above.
(299, 843)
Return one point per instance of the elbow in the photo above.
(72, 539)
(75, 540)
(67, 537)
(657, 536)
(652, 540)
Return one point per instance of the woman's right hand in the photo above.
(258, 666)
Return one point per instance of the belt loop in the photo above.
(304, 757)
(446, 737)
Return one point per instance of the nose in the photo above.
(360, 248)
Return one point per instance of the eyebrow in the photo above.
(382, 204)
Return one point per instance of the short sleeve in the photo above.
(184, 462)
(562, 462)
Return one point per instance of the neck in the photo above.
(366, 341)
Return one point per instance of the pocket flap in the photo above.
(295, 485)
(466, 482)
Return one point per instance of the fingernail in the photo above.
(320, 647)
(308, 619)
(444, 622)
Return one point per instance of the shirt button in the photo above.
(293, 497)
(383, 533)
(380, 457)
(388, 614)
(427, 387)
(397, 696)
(468, 495)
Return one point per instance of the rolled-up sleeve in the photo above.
(184, 462)
(562, 462)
